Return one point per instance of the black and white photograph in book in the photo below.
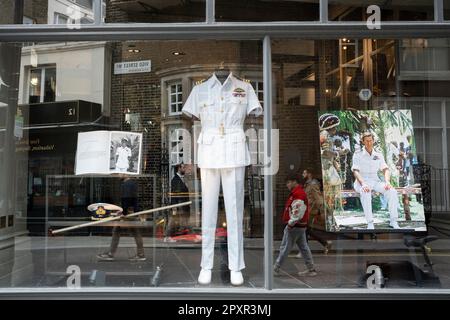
(125, 152)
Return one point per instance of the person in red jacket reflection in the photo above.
(295, 216)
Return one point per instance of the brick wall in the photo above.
(36, 10)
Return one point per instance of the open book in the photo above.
(106, 152)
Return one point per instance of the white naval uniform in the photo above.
(369, 166)
(222, 156)
(123, 163)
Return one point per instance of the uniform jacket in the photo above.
(222, 109)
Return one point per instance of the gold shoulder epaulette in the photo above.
(243, 79)
(199, 82)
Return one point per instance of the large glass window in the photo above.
(273, 10)
(68, 12)
(446, 9)
(100, 123)
(329, 94)
(42, 85)
(155, 11)
(397, 10)
(175, 99)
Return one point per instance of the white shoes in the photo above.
(394, 224)
(370, 226)
(236, 278)
(204, 277)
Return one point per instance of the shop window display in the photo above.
(176, 196)
(364, 111)
(109, 171)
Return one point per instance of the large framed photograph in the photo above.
(107, 152)
(370, 170)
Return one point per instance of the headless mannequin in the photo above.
(222, 74)
(227, 172)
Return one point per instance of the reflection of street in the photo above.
(183, 258)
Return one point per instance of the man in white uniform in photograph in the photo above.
(222, 156)
(123, 155)
(366, 165)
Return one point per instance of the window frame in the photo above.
(174, 130)
(169, 97)
(43, 69)
(83, 6)
(58, 15)
(223, 31)
(99, 11)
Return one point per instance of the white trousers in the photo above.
(233, 193)
(366, 199)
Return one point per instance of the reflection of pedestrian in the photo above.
(128, 191)
(315, 205)
(295, 216)
(179, 193)
(366, 165)
(123, 155)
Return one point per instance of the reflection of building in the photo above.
(70, 12)
(63, 89)
(61, 71)
(307, 76)
(399, 75)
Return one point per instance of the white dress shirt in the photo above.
(222, 109)
(368, 165)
